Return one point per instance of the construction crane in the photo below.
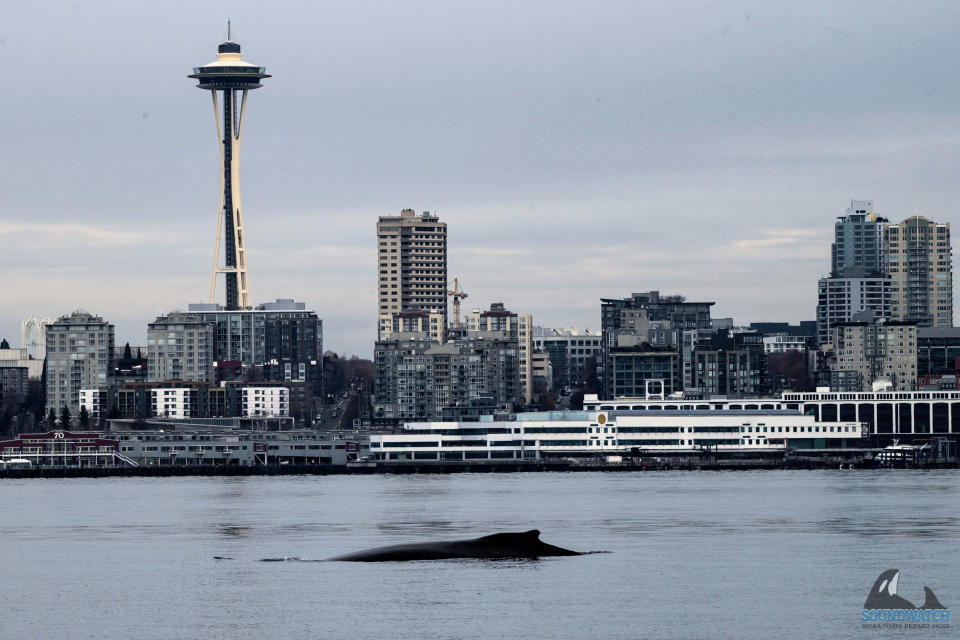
(457, 294)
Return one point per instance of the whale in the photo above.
(883, 594)
(523, 545)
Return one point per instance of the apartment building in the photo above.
(920, 263)
(518, 326)
(180, 346)
(412, 267)
(80, 350)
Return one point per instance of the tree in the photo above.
(590, 374)
(543, 398)
(6, 420)
(576, 399)
(788, 370)
(28, 422)
(126, 352)
(84, 417)
(4, 344)
(36, 400)
(360, 370)
(52, 419)
(65, 418)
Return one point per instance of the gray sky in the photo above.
(575, 149)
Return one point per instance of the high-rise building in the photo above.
(412, 267)
(920, 264)
(731, 362)
(518, 326)
(633, 366)
(569, 351)
(418, 378)
(232, 78)
(840, 299)
(79, 356)
(652, 320)
(858, 240)
(857, 280)
(180, 346)
(868, 350)
(898, 271)
(278, 341)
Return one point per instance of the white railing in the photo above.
(71, 460)
(126, 459)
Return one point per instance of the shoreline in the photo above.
(412, 468)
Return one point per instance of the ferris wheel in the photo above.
(38, 343)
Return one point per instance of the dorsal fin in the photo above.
(527, 536)
(930, 601)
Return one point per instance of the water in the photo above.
(694, 555)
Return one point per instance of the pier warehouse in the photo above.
(889, 415)
(575, 434)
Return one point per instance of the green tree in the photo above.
(84, 417)
(52, 419)
(27, 422)
(65, 418)
(590, 374)
(576, 399)
(4, 344)
(126, 352)
(6, 420)
(37, 415)
(544, 400)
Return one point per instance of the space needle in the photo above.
(229, 75)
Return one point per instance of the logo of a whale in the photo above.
(883, 595)
(496, 546)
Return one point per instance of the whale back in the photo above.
(525, 544)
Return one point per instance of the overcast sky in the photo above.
(576, 150)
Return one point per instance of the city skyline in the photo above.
(576, 147)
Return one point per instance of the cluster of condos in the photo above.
(204, 362)
(882, 310)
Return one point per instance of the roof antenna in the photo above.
(228, 29)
